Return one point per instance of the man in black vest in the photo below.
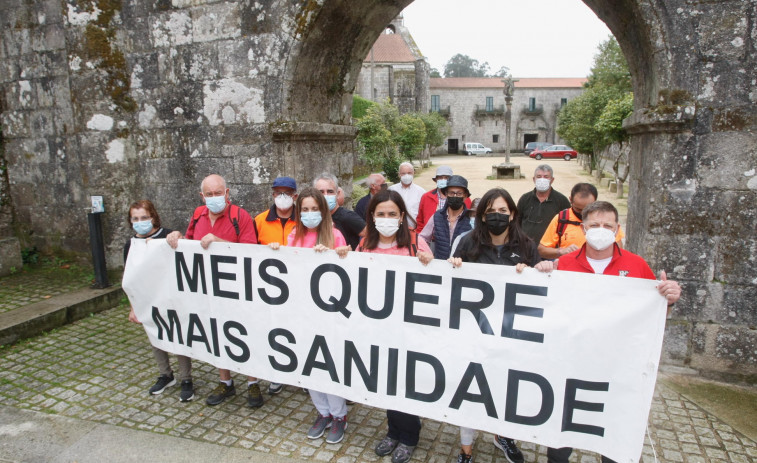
(450, 222)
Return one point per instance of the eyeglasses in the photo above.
(276, 194)
(140, 219)
(456, 194)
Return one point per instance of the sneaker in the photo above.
(187, 391)
(254, 397)
(386, 446)
(512, 452)
(161, 384)
(220, 393)
(275, 388)
(402, 453)
(336, 433)
(320, 425)
(463, 458)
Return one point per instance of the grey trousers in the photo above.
(164, 366)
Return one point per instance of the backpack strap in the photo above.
(562, 223)
(360, 245)
(235, 221)
(413, 243)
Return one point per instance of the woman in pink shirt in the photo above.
(314, 229)
(387, 233)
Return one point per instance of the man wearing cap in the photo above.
(375, 183)
(434, 200)
(451, 221)
(539, 206)
(411, 192)
(275, 224)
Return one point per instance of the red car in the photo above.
(554, 151)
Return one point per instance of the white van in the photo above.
(474, 149)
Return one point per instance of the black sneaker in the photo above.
(254, 397)
(161, 384)
(275, 388)
(511, 451)
(220, 393)
(464, 458)
(187, 391)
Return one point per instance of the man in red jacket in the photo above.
(602, 255)
(220, 221)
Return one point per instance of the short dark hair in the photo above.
(599, 206)
(583, 189)
(148, 206)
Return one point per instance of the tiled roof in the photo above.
(496, 82)
(390, 48)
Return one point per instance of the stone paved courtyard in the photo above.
(99, 369)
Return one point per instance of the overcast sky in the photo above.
(534, 38)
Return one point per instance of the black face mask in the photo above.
(455, 202)
(497, 223)
(577, 214)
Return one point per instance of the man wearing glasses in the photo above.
(451, 221)
(220, 221)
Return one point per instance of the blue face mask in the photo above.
(311, 219)
(473, 222)
(331, 201)
(216, 204)
(142, 228)
(441, 183)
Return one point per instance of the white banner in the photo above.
(563, 359)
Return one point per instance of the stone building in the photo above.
(475, 108)
(396, 70)
(142, 99)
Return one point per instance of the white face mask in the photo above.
(387, 226)
(600, 238)
(406, 179)
(542, 184)
(283, 202)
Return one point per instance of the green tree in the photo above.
(437, 129)
(410, 135)
(464, 66)
(578, 121)
(434, 73)
(375, 138)
(610, 122)
(360, 106)
(503, 72)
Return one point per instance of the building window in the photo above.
(495, 138)
(563, 102)
(489, 103)
(435, 107)
(532, 104)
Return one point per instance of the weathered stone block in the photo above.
(10, 256)
(8, 70)
(675, 348)
(144, 71)
(725, 349)
(197, 64)
(216, 21)
(15, 124)
(49, 37)
(171, 29)
(41, 123)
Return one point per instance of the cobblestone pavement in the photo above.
(99, 369)
(43, 282)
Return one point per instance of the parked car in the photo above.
(555, 151)
(534, 145)
(473, 149)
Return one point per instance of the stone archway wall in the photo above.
(146, 98)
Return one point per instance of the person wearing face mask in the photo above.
(314, 229)
(472, 219)
(601, 254)
(348, 222)
(375, 183)
(564, 235)
(539, 206)
(496, 238)
(145, 221)
(275, 224)
(450, 222)
(387, 232)
(434, 200)
(220, 221)
(411, 192)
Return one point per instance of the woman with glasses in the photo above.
(451, 221)
(497, 238)
(143, 218)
